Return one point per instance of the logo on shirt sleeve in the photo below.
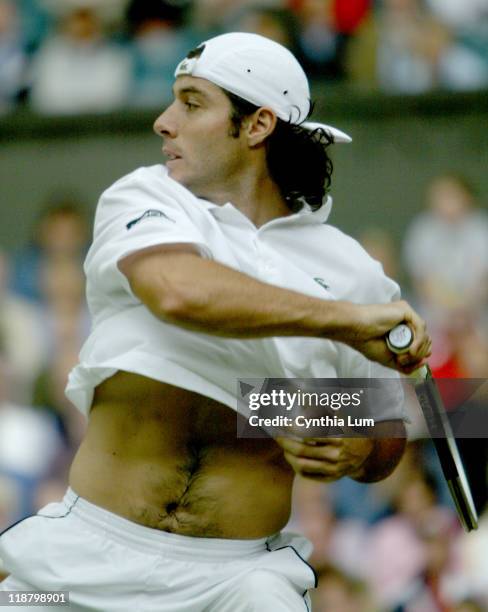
(321, 282)
(149, 213)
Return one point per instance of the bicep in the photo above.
(155, 273)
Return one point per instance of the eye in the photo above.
(191, 106)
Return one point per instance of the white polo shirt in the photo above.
(299, 252)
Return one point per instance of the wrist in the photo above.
(383, 458)
(341, 321)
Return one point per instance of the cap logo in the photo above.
(186, 66)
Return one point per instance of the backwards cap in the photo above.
(260, 71)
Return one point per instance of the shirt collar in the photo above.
(306, 216)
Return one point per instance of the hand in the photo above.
(370, 323)
(327, 459)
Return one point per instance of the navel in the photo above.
(171, 507)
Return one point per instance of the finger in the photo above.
(423, 350)
(419, 329)
(323, 452)
(305, 466)
(413, 358)
(323, 441)
(407, 360)
(412, 368)
(321, 477)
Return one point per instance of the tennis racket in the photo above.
(399, 340)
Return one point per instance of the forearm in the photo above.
(209, 297)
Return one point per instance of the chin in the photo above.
(193, 184)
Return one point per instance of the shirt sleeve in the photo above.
(135, 213)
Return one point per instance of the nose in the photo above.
(164, 124)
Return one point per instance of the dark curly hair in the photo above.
(297, 158)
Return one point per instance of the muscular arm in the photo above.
(182, 288)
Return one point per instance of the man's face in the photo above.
(202, 154)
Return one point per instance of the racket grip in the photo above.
(399, 338)
(398, 341)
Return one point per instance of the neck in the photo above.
(254, 194)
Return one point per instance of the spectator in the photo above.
(79, 70)
(210, 17)
(446, 255)
(275, 23)
(36, 24)
(66, 325)
(350, 14)
(321, 47)
(10, 503)
(417, 52)
(446, 249)
(60, 233)
(338, 592)
(312, 515)
(459, 13)
(410, 43)
(111, 11)
(159, 40)
(20, 337)
(64, 311)
(13, 61)
(412, 553)
(29, 444)
(461, 348)
(466, 66)
(338, 516)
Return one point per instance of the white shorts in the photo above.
(110, 564)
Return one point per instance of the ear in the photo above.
(259, 126)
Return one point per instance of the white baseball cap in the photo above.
(260, 71)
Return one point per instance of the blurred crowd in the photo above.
(395, 546)
(86, 56)
(43, 322)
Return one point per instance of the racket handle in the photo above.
(398, 341)
(399, 338)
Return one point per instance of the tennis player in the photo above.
(216, 266)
